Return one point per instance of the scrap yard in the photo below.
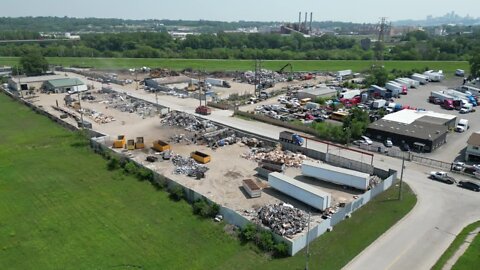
(224, 164)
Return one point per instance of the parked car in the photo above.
(458, 166)
(442, 177)
(469, 185)
(388, 142)
(367, 140)
(404, 147)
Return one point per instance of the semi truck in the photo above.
(290, 137)
(305, 193)
(459, 95)
(379, 103)
(468, 89)
(445, 100)
(218, 82)
(422, 79)
(434, 76)
(396, 88)
(336, 175)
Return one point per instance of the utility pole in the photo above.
(307, 255)
(81, 111)
(257, 83)
(400, 193)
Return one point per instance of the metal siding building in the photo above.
(314, 93)
(419, 135)
(64, 85)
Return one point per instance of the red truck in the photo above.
(203, 110)
(448, 104)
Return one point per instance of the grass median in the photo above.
(60, 208)
(455, 245)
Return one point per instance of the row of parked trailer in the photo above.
(464, 98)
(312, 195)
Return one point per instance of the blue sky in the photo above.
(251, 10)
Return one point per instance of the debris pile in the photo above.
(126, 103)
(289, 158)
(188, 166)
(98, 117)
(252, 142)
(374, 180)
(187, 121)
(282, 219)
(267, 77)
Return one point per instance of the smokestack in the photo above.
(299, 20)
(306, 18)
(311, 19)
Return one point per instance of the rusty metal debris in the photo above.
(290, 159)
(188, 166)
(283, 219)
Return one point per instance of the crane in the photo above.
(280, 71)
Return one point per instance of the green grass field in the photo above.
(242, 65)
(455, 245)
(471, 258)
(61, 209)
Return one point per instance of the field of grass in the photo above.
(456, 244)
(61, 209)
(471, 258)
(242, 65)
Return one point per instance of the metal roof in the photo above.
(337, 169)
(409, 116)
(474, 139)
(65, 82)
(417, 129)
(319, 91)
(33, 79)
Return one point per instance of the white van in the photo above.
(462, 125)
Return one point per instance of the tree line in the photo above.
(416, 45)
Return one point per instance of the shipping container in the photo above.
(305, 193)
(336, 175)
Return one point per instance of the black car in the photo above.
(469, 185)
(404, 147)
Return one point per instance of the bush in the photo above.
(144, 174)
(130, 168)
(113, 164)
(204, 209)
(248, 232)
(176, 193)
(265, 240)
(280, 250)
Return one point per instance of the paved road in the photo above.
(418, 240)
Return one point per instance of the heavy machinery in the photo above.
(119, 142)
(139, 144)
(290, 137)
(290, 77)
(203, 110)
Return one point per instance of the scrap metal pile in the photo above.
(374, 180)
(125, 103)
(289, 158)
(98, 117)
(266, 76)
(187, 121)
(188, 166)
(282, 219)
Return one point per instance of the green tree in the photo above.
(475, 65)
(33, 63)
(378, 76)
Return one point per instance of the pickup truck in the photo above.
(442, 177)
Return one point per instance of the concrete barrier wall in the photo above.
(315, 231)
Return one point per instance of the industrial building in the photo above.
(423, 131)
(64, 85)
(313, 93)
(25, 83)
(473, 147)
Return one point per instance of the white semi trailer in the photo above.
(336, 175)
(305, 193)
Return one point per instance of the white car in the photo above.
(367, 140)
(388, 143)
